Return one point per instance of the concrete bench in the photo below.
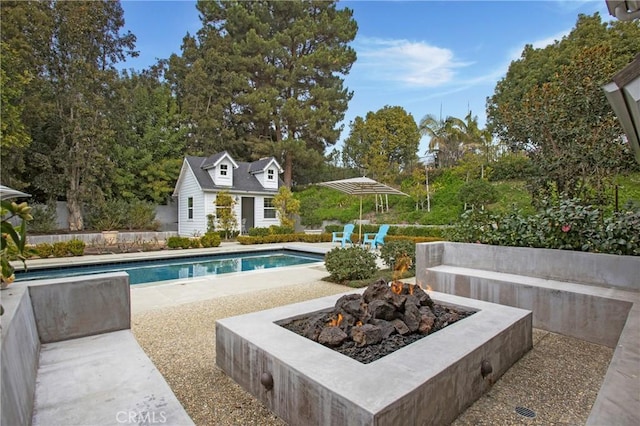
(593, 297)
(69, 357)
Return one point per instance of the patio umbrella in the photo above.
(7, 193)
(361, 186)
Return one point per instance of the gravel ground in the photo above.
(559, 379)
(181, 343)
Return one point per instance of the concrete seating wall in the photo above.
(593, 297)
(73, 334)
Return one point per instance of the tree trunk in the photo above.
(75, 211)
(288, 169)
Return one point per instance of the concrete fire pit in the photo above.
(430, 381)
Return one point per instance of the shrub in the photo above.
(179, 242)
(417, 231)
(75, 247)
(281, 230)
(393, 250)
(118, 214)
(44, 250)
(44, 218)
(59, 249)
(511, 166)
(620, 234)
(477, 193)
(106, 216)
(210, 239)
(351, 263)
(140, 215)
(412, 231)
(567, 225)
(284, 238)
(258, 232)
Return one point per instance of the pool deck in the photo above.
(145, 297)
(550, 379)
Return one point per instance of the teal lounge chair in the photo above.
(376, 239)
(344, 236)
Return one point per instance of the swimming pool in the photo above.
(148, 271)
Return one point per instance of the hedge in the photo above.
(284, 238)
(412, 231)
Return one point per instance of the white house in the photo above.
(252, 186)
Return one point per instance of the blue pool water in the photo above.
(142, 272)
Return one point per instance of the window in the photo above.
(190, 207)
(223, 169)
(269, 209)
(270, 174)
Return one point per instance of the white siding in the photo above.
(263, 177)
(260, 221)
(271, 178)
(217, 175)
(190, 188)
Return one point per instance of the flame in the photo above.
(411, 288)
(359, 323)
(336, 322)
(396, 287)
(426, 288)
(403, 263)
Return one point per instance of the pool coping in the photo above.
(224, 248)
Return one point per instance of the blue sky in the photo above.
(430, 57)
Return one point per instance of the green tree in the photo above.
(225, 212)
(269, 74)
(382, 144)
(287, 206)
(446, 138)
(415, 186)
(26, 28)
(72, 127)
(477, 193)
(150, 139)
(551, 105)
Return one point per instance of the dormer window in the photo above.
(270, 174)
(223, 169)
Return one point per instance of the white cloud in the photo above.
(414, 64)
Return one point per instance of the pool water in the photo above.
(142, 272)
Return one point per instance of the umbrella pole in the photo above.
(360, 230)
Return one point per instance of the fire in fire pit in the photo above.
(382, 320)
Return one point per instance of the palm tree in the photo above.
(446, 138)
(478, 140)
(452, 137)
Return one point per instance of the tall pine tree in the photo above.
(266, 77)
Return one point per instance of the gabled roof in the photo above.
(262, 164)
(215, 159)
(243, 179)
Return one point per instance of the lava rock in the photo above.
(400, 326)
(411, 317)
(314, 327)
(352, 304)
(382, 310)
(413, 300)
(375, 290)
(332, 336)
(427, 320)
(385, 326)
(422, 296)
(367, 334)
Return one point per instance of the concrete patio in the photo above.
(557, 381)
